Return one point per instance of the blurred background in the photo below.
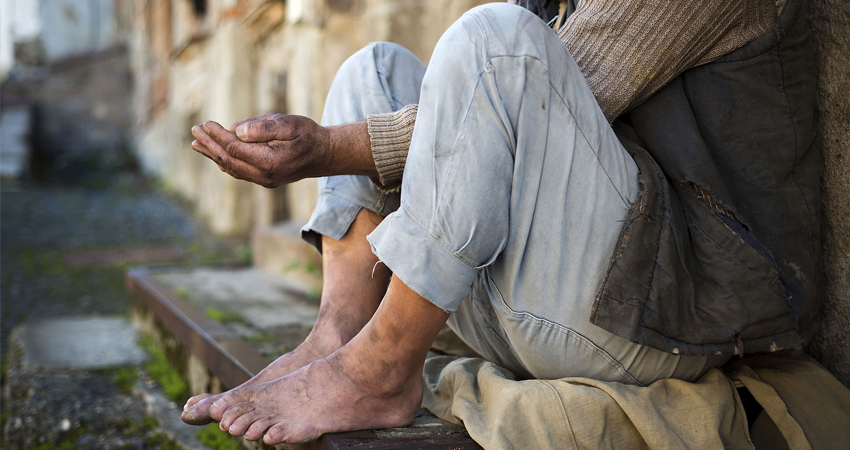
(109, 80)
(97, 174)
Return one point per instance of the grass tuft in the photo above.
(212, 436)
(158, 367)
(223, 316)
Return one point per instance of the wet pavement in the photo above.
(41, 227)
(64, 251)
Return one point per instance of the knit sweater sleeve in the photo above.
(390, 137)
(628, 49)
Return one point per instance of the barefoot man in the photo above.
(599, 201)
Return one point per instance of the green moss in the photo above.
(291, 266)
(314, 293)
(212, 436)
(223, 316)
(246, 255)
(182, 292)
(146, 425)
(158, 367)
(311, 267)
(162, 441)
(124, 378)
(67, 440)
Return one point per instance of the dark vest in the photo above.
(720, 253)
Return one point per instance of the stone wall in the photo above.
(245, 58)
(81, 116)
(830, 24)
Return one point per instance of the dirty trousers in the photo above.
(512, 196)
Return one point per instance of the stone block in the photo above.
(78, 343)
(279, 250)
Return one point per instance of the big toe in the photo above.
(198, 413)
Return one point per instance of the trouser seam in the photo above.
(607, 357)
(593, 149)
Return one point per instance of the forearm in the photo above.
(350, 150)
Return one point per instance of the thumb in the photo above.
(278, 129)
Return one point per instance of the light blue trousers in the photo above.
(511, 200)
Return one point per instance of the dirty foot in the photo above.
(196, 410)
(349, 390)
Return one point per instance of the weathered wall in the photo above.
(81, 114)
(73, 26)
(830, 24)
(250, 57)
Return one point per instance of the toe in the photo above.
(227, 400)
(234, 412)
(240, 424)
(199, 412)
(193, 400)
(276, 434)
(289, 433)
(258, 428)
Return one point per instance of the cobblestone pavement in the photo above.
(40, 225)
(58, 247)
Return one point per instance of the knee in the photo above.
(498, 29)
(377, 54)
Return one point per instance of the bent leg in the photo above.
(514, 189)
(380, 78)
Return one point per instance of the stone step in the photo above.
(77, 343)
(170, 303)
(279, 250)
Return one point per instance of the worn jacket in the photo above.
(720, 253)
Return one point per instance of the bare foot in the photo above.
(196, 410)
(329, 395)
(374, 381)
(353, 288)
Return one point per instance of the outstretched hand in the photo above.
(276, 149)
(268, 150)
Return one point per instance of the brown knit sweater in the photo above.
(626, 49)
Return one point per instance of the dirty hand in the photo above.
(276, 149)
(270, 150)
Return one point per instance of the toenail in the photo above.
(189, 409)
(218, 403)
(232, 428)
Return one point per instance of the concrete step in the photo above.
(77, 343)
(60, 375)
(279, 250)
(170, 302)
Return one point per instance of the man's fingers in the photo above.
(257, 155)
(206, 146)
(276, 128)
(230, 164)
(263, 117)
(237, 168)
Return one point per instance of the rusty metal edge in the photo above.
(164, 304)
